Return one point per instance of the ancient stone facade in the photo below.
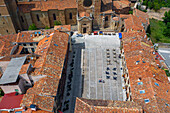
(85, 25)
(20, 14)
(9, 21)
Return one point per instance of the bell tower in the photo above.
(92, 7)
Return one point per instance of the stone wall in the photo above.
(43, 19)
(6, 24)
(72, 21)
(60, 16)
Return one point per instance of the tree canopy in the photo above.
(32, 27)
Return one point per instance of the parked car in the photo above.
(79, 35)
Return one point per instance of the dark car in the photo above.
(79, 35)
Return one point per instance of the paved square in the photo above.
(101, 68)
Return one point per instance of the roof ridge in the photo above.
(154, 93)
(46, 53)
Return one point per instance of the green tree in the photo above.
(57, 23)
(150, 5)
(1, 93)
(167, 17)
(156, 6)
(130, 12)
(167, 30)
(32, 27)
(46, 27)
(145, 2)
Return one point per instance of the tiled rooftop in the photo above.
(149, 84)
(42, 102)
(51, 50)
(64, 28)
(121, 4)
(24, 69)
(46, 5)
(105, 106)
(7, 44)
(82, 14)
(144, 17)
(133, 24)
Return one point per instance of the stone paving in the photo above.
(101, 68)
(93, 51)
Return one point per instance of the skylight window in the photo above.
(143, 61)
(167, 104)
(56, 45)
(22, 35)
(142, 91)
(146, 100)
(156, 84)
(140, 83)
(46, 40)
(137, 62)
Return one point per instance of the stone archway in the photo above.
(84, 30)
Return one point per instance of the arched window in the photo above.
(54, 16)
(70, 15)
(106, 18)
(87, 3)
(38, 19)
(22, 19)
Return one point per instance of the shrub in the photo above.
(57, 23)
(46, 27)
(130, 12)
(32, 27)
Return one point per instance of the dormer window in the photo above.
(142, 91)
(146, 100)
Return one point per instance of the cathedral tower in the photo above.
(92, 7)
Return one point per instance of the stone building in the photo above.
(45, 13)
(18, 15)
(9, 21)
(103, 14)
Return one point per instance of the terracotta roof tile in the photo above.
(52, 51)
(7, 43)
(141, 63)
(46, 5)
(133, 24)
(116, 18)
(144, 17)
(103, 106)
(42, 102)
(82, 14)
(64, 28)
(121, 4)
(24, 69)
